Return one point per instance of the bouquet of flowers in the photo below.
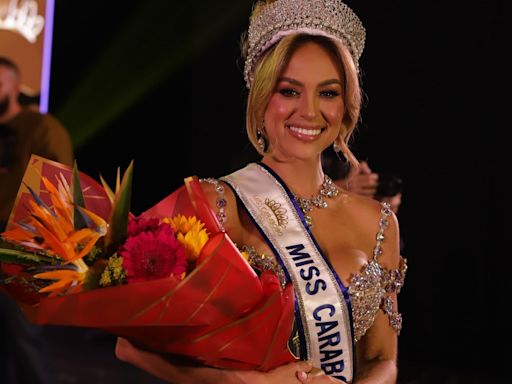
(169, 280)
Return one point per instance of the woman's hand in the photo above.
(152, 363)
(299, 372)
(315, 376)
(287, 373)
(361, 181)
(155, 364)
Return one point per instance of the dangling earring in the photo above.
(337, 150)
(261, 141)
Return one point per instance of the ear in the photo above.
(17, 86)
(15, 90)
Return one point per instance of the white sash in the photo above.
(322, 299)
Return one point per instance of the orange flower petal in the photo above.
(61, 274)
(87, 248)
(57, 246)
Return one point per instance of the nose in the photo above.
(308, 107)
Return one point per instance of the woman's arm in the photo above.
(377, 349)
(232, 224)
(165, 370)
(376, 359)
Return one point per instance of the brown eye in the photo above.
(329, 93)
(288, 92)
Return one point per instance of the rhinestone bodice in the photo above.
(369, 289)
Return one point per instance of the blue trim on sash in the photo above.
(303, 220)
(298, 317)
(344, 290)
(290, 196)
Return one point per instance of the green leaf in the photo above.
(120, 212)
(108, 190)
(118, 179)
(21, 257)
(78, 199)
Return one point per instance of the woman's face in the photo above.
(304, 113)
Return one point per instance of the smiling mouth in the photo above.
(305, 133)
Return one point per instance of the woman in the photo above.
(340, 250)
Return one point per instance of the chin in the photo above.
(299, 154)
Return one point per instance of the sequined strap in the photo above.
(383, 224)
(220, 202)
(264, 262)
(392, 280)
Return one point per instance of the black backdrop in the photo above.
(433, 78)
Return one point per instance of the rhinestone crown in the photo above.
(331, 18)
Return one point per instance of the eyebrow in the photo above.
(323, 83)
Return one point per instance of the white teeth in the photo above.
(309, 132)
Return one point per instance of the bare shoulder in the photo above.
(374, 218)
(222, 198)
(364, 211)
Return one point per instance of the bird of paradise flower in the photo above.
(63, 233)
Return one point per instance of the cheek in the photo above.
(278, 109)
(334, 113)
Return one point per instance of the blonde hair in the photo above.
(273, 63)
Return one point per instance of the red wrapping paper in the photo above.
(222, 314)
(94, 194)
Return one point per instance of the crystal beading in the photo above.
(370, 289)
(331, 18)
(264, 262)
(328, 189)
(220, 202)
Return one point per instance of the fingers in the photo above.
(363, 184)
(307, 373)
(315, 372)
(364, 167)
(303, 367)
(291, 373)
(302, 376)
(121, 348)
(368, 179)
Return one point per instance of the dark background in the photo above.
(125, 73)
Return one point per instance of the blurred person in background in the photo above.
(23, 131)
(361, 180)
(389, 190)
(384, 186)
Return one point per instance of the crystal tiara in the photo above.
(330, 18)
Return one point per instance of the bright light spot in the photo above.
(21, 16)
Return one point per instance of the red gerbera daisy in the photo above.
(153, 255)
(138, 225)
